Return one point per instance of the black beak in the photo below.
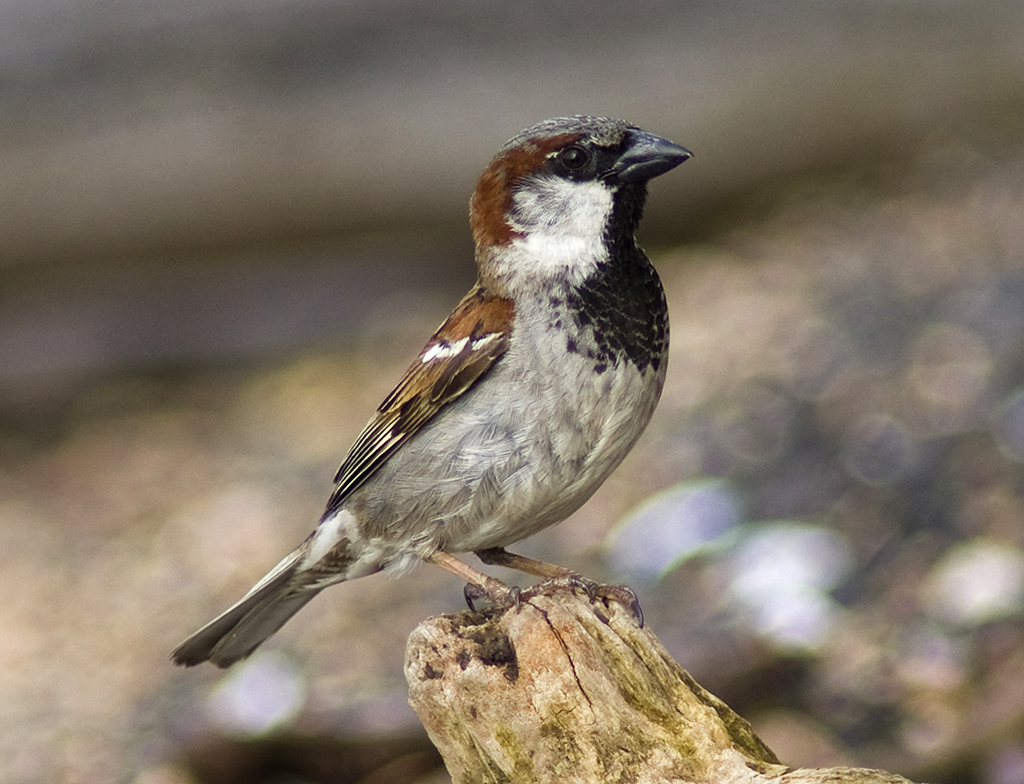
(646, 156)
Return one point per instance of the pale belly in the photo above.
(513, 456)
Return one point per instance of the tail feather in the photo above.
(238, 632)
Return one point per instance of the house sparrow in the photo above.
(520, 405)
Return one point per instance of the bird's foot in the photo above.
(622, 594)
(558, 577)
(497, 593)
(502, 596)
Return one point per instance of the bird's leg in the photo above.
(559, 577)
(499, 556)
(478, 584)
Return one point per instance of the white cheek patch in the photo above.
(552, 205)
(443, 349)
(561, 226)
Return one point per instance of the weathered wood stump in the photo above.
(563, 690)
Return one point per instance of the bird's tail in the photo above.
(238, 632)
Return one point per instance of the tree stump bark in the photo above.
(568, 691)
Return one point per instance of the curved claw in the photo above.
(638, 613)
(625, 596)
(589, 587)
(509, 597)
(516, 595)
(622, 594)
(634, 606)
(472, 592)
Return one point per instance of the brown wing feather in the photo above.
(462, 350)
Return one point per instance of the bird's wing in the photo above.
(462, 350)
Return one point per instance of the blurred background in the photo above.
(226, 227)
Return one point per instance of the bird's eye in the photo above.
(574, 158)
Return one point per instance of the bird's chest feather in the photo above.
(591, 362)
(534, 438)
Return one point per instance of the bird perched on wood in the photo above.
(520, 405)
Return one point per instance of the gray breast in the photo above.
(515, 454)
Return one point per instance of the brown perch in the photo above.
(563, 691)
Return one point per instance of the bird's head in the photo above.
(560, 196)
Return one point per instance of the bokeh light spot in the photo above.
(261, 694)
(780, 575)
(879, 450)
(950, 365)
(673, 525)
(976, 582)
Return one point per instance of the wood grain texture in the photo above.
(562, 690)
